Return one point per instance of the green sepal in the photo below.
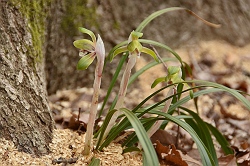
(157, 81)
(136, 35)
(90, 33)
(84, 44)
(173, 70)
(150, 52)
(85, 61)
(133, 45)
(118, 51)
(173, 74)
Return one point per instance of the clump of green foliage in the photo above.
(162, 112)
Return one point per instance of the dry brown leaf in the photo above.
(228, 160)
(242, 156)
(169, 155)
(164, 137)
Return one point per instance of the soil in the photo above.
(213, 60)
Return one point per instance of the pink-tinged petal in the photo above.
(100, 49)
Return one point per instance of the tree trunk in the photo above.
(25, 117)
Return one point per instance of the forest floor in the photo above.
(215, 61)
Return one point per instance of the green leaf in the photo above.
(103, 128)
(205, 155)
(118, 51)
(221, 139)
(149, 151)
(94, 162)
(146, 67)
(84, 44)
(90, 33)
(85, 61)
(204, 134)
(158, 44)
(150, 52)
(145, 22)
(113, 81)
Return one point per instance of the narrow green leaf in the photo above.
(150, 52)
(90, 33)
(149, 151)
(145, 22)
(103, 128)
(204, 134)
(85, 61)
(94, 162)
(146, 67)
(84, 44)
(221, 139)
(205, 155)
(112, 83)
(158, 44)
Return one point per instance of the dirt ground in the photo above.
(213, 60)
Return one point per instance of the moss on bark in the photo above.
(78, 14)
(35, 12)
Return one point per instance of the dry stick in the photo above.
(156, 52)
(122, 93)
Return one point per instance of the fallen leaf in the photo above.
(169, 155)
(242, 156)
(228, 160)
(164, 137)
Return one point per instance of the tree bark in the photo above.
(25, 117)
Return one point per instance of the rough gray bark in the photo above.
(114, 20)
(25, 117)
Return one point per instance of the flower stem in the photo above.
(93, 108)
(158, 123)
(122, 92)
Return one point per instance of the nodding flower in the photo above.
(134, 47)
(89, 49)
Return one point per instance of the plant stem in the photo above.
(93, 107)
(122, 92)
(158, 123)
